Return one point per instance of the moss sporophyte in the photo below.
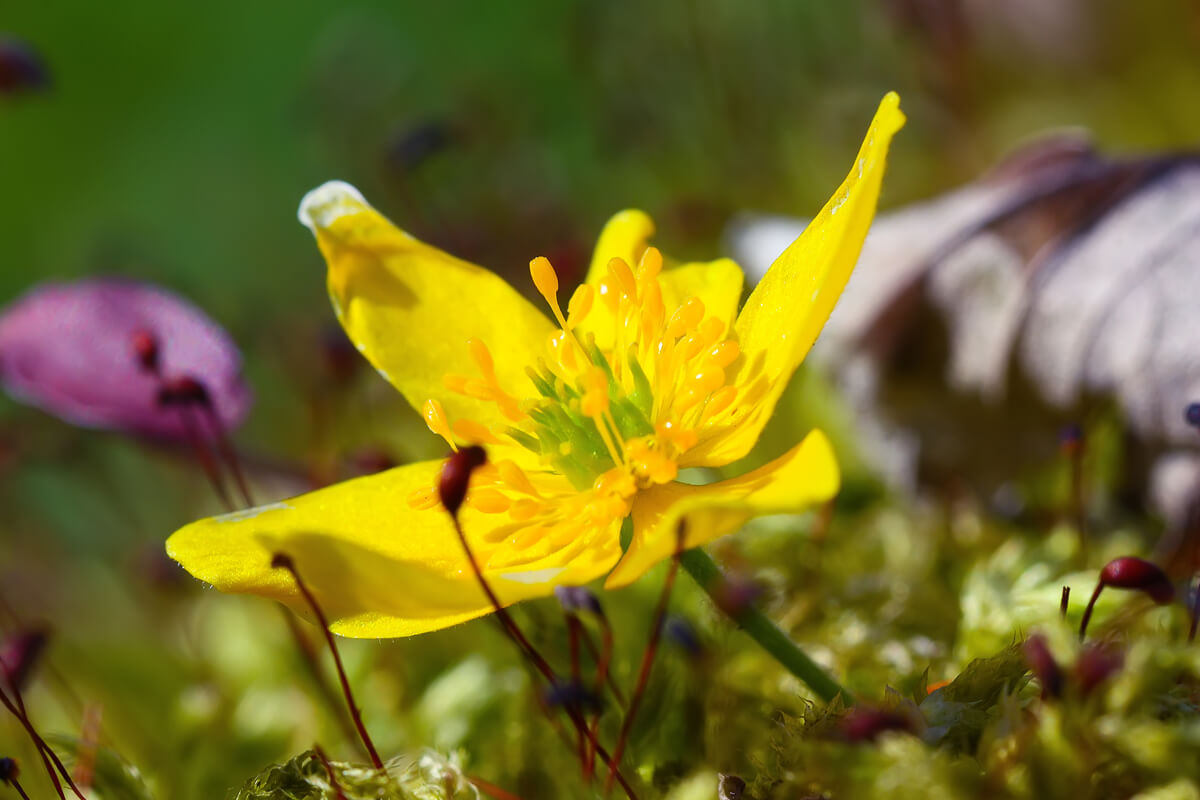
(649, 369)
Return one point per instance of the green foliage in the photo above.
(426, 776)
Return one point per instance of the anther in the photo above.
(423, 499)
(145, 349)
(545, 279)
(456, 476)
(435, 418)
(719, 401)
(474, 432)
(724, 353)
(489, 501)
(580, 304)
(623, 276)
(686, 317)
(650, 264)
(515, 477)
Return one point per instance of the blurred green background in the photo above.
(175, 140)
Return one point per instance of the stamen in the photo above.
(435, 418)
(650, 264)
(562, 349)
(489, 501)
(719, 401)
(508, 404)
(545, 279)
(610, 296)
(686, 317)
(725, 353)
(515, 477)
(580, 304)
(423, 499)
(473, 432)
(623, 276)
(595, 392)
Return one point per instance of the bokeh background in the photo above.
(172, 143)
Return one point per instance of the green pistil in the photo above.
(557, 420)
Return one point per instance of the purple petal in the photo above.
(69, 349)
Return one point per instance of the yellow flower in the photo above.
(650, 369)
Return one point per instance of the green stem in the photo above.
(758, 627)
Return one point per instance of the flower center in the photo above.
(623, 391)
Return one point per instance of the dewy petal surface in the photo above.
(379, 567)
(411, 309)
(805, 475)
(786, 311)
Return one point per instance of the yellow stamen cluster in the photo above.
(610, 419)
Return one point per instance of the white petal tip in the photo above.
(330, 201)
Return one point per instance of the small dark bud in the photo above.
(341, 358)
(9, 770)
(21, 68)
(736, 594)
(572, 695)
(679, 631)
(1071, 438)
(145, 349)
(577, 598)
(1096, 664)
(1045, 668)
(1130, 572)
(183, 391)
(868, 724)
(414, 146)
(730, 787)
(1191, 415)
(456, 476)
(19, 654)
(282, 561)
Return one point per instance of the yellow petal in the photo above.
(411, 309)
(626, 236)
(788, 308)
(378, 567)
(805, 475)
(718, 284)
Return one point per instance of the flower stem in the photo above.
(761, 629)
